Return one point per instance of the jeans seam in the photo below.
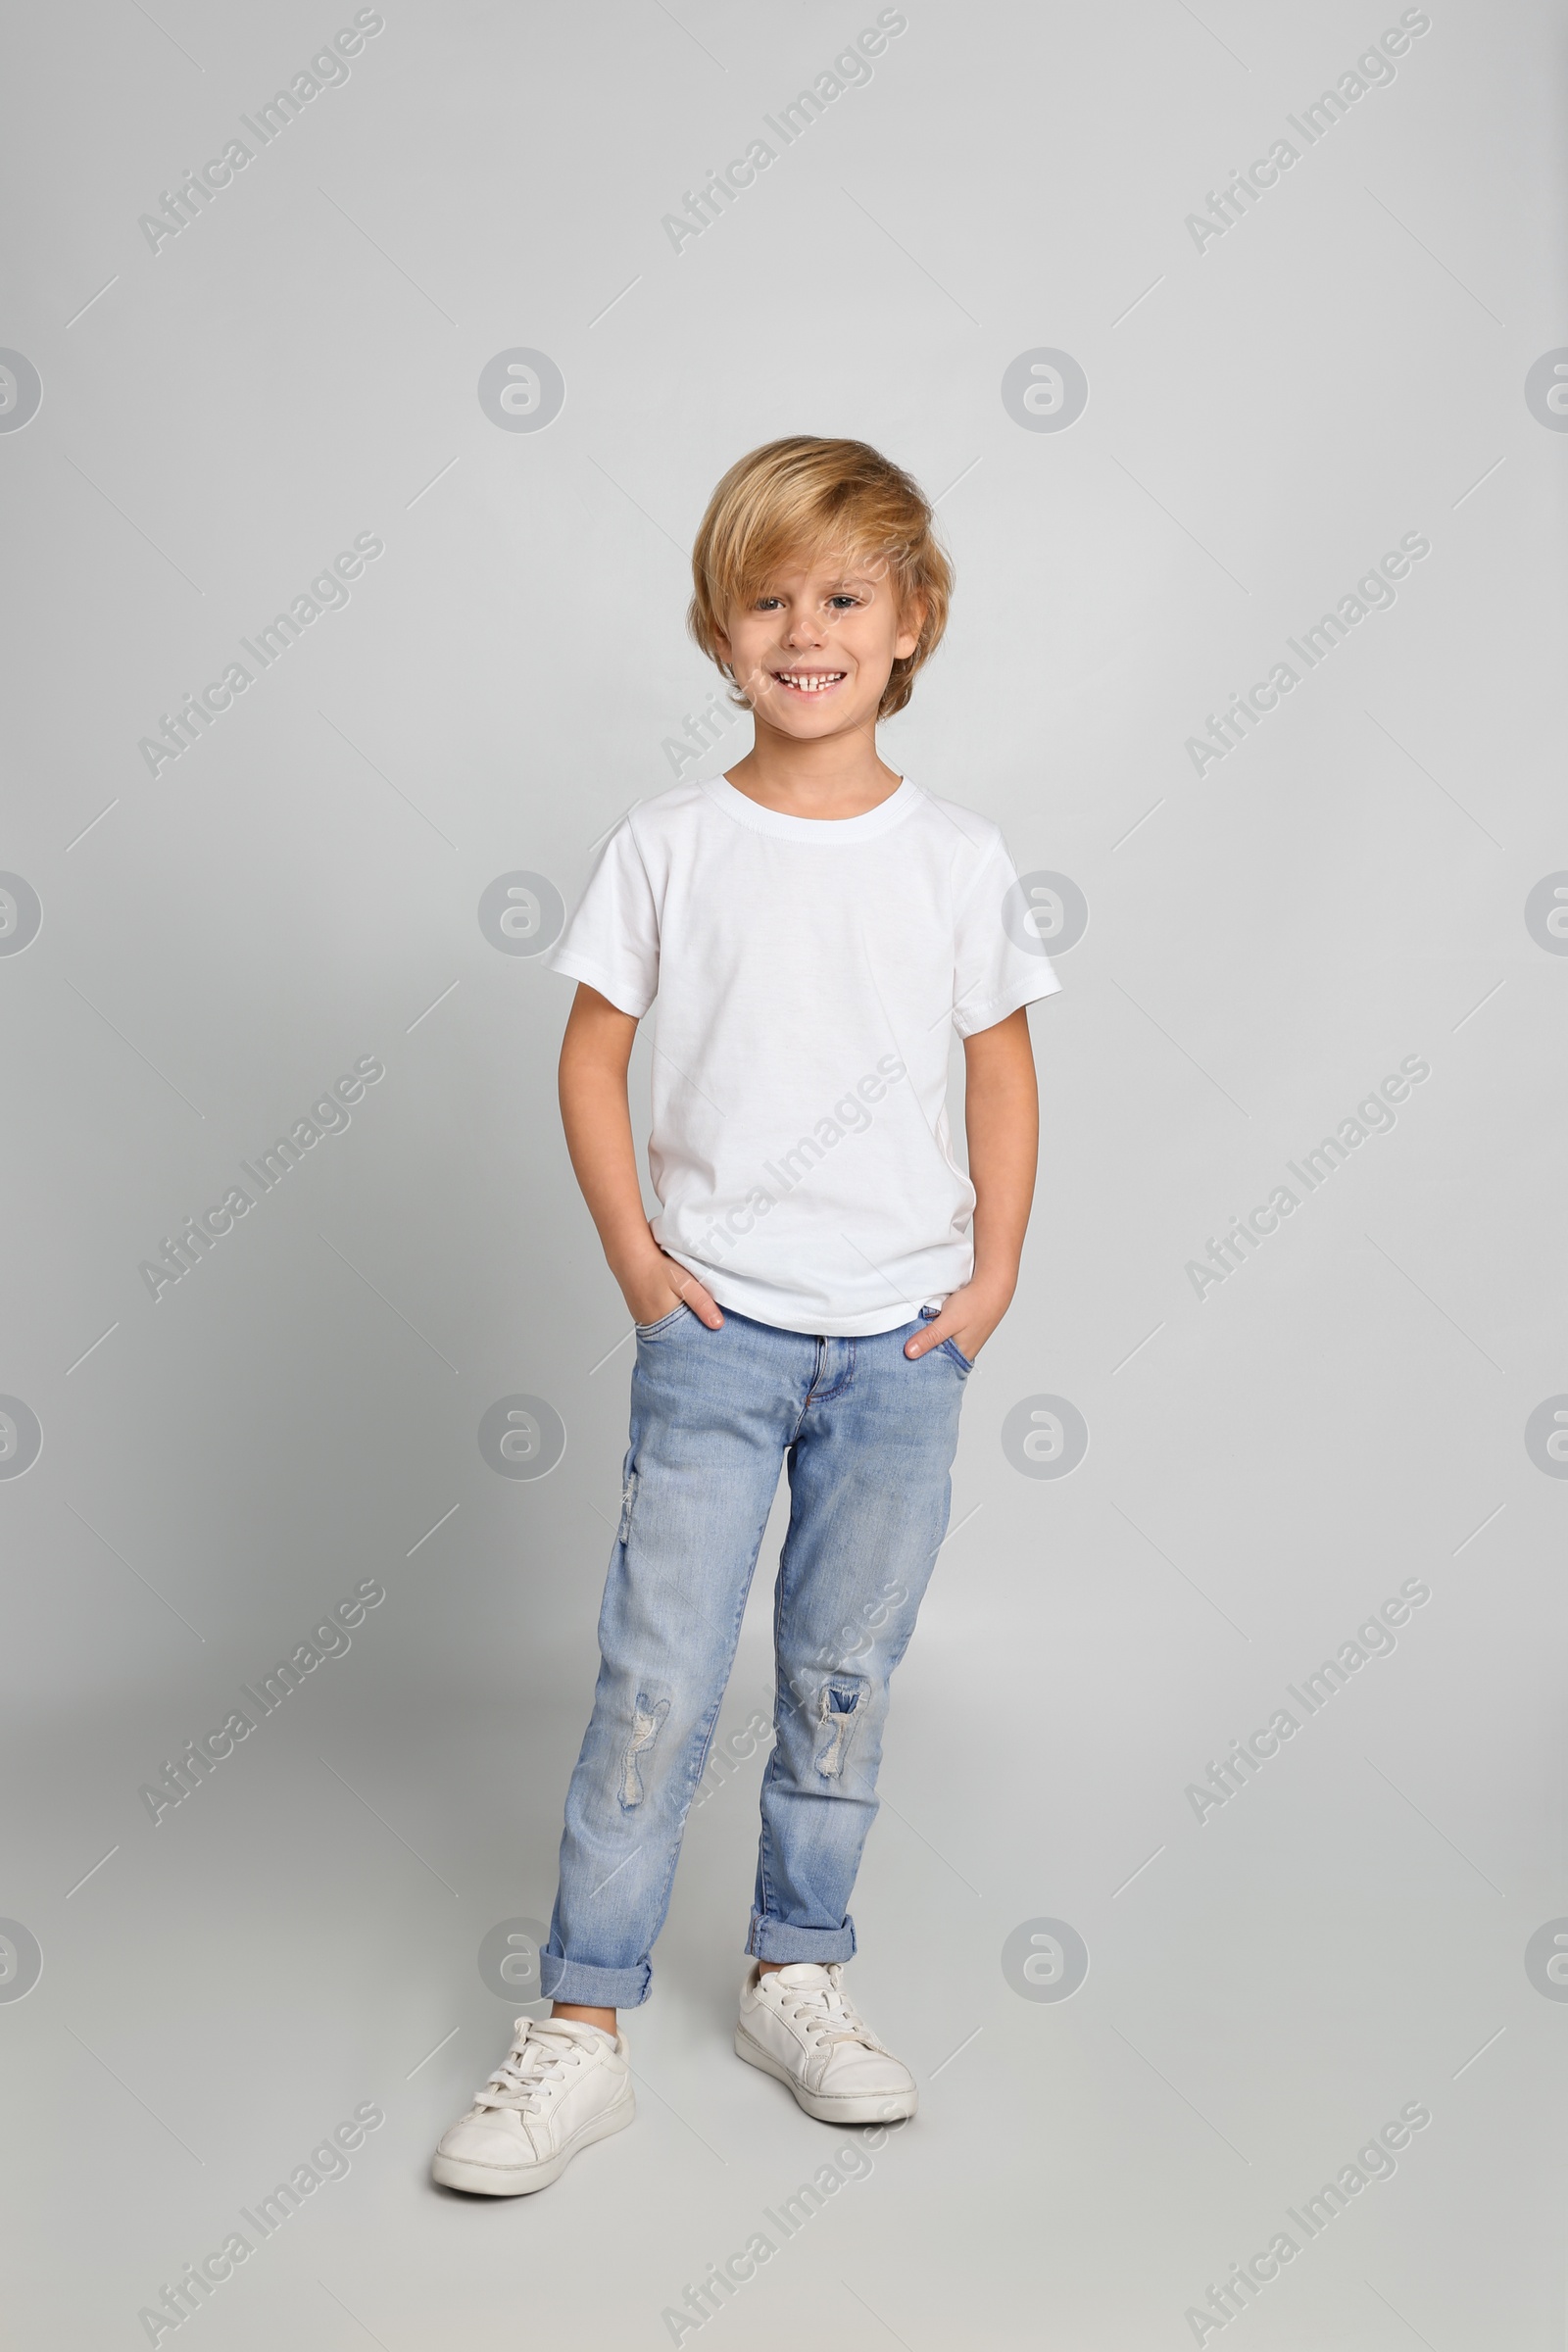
(637, 1969)
(770, 1769)
(837, 1388)
(695, 1778)
(678, 1840)
(763, 1880)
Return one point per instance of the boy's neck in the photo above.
(839, 776)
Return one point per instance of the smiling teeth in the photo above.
(810, 683)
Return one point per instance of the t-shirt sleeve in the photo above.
(999, 958)
(611, 941)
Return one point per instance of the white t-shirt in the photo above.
(809, 974)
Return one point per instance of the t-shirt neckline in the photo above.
(820, 829)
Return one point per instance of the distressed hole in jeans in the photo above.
(628, 1501)
(645, 1724)
(836, 1711)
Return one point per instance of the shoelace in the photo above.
(519, 2080)
(827, 2013)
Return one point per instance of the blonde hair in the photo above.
(803, 496)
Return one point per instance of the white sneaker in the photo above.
(561, 2085)
(798, 2025)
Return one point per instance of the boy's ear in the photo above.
(722, 643)
(911, 620)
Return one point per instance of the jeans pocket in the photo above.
(965, 1363)
(648, 1331)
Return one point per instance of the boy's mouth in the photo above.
(810, 681)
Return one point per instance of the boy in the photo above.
(812, 1294)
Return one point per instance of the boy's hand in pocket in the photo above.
(661, 1284)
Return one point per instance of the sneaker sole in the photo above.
(515, 2180)
(859, 2107)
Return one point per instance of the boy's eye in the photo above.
(842, 600)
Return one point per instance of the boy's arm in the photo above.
(1002, 1117)
(594, 1110)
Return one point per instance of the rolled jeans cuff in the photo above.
(770, 1940)
(588, 1988)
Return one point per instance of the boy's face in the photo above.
(814, 649)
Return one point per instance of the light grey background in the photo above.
(1266, 416)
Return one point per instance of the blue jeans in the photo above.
(867, 1436)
